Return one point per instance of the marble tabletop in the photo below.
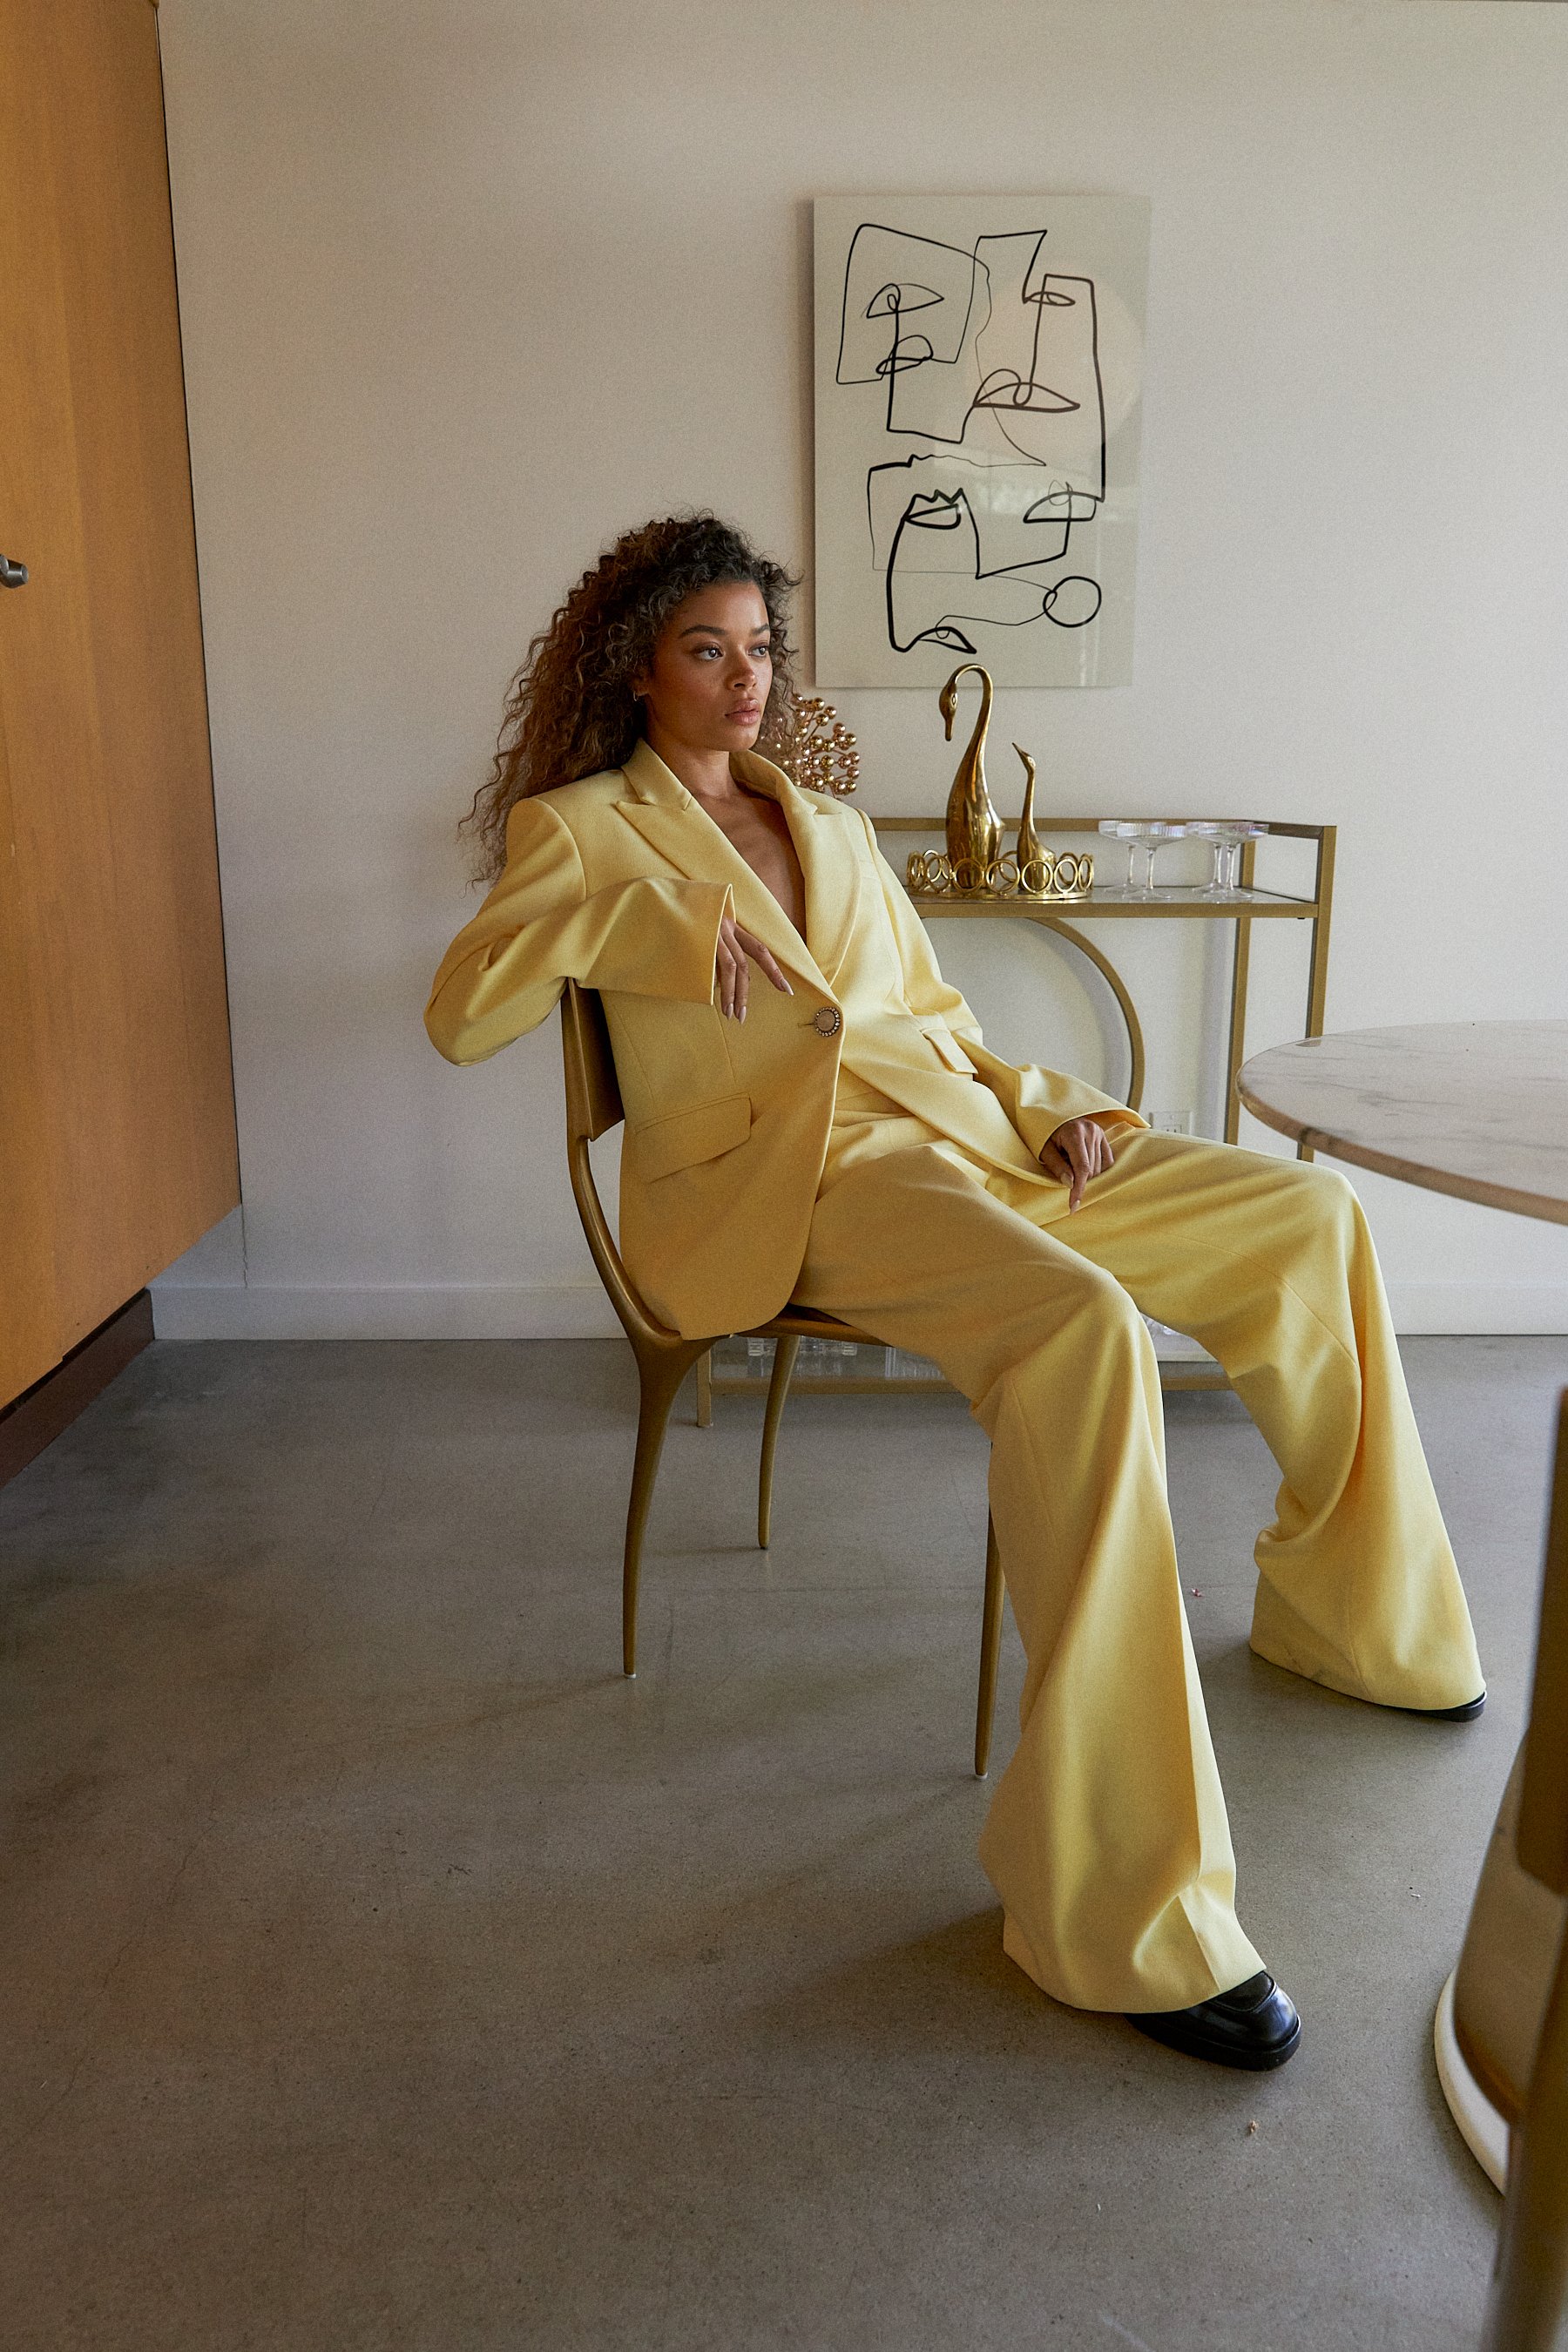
(1478, 1109)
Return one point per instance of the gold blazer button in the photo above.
(829, 1022)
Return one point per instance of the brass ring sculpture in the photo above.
(1045, 875)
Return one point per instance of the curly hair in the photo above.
(571, 711)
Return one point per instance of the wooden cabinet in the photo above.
(116, 1137)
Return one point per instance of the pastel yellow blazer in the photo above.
(620, 882)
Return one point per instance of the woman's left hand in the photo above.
(1080, 1149)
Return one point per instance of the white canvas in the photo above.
(979, 372)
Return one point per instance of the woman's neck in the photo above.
(705, 773)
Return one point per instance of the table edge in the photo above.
(1405, 1171)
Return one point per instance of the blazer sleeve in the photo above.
(1037, 1101)
(541, 926)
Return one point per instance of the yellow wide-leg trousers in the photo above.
(1107, 1840)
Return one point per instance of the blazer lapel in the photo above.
(828, 860)
(662, 809)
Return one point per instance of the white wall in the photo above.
(466, 287)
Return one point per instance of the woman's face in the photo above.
(708, 685)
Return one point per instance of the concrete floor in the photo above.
(379, 1970)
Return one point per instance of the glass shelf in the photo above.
(1115, 898)
(1179, 898)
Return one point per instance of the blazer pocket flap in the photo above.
(938, 1034)
(685, 1136)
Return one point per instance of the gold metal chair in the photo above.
(1511, 1989)
(664, 1358)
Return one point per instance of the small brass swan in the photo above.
(1035, 861)
(973, 827)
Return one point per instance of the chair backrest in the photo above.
(593, 1107)
(593, 1092)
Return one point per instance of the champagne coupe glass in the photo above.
(1240, 835)
(1120, 829)
(1228, 835)
(1148, 841)
(1235, 836)
(1218, 834)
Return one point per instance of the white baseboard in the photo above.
(1478, 1309)
(581, 1311)
(396, 1312)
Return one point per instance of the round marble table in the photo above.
(1478, 1108)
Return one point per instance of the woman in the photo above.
(811, 1113)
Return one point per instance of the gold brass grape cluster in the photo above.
(822, 754)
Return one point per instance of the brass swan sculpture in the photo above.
(1035, 861)
(973, 827)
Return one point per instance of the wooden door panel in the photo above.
(61, 1020)
(102, 702)
(29, 1308)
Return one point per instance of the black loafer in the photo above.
(1466, 1714)
(1254, 2026)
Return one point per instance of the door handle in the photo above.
(12, 575)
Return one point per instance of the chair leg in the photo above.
(660, 1376)
(785, 1351)
(990, 1651)
(1529, 2285)
(705, 1390)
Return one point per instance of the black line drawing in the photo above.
(982, 350)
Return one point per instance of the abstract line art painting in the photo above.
(979, 374)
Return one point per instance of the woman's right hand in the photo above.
(731, 976)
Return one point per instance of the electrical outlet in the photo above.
(1183, 1122)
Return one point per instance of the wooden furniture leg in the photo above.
(990, 1651)
(660, 1372)
(786, 1348)
(1530, 2283)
